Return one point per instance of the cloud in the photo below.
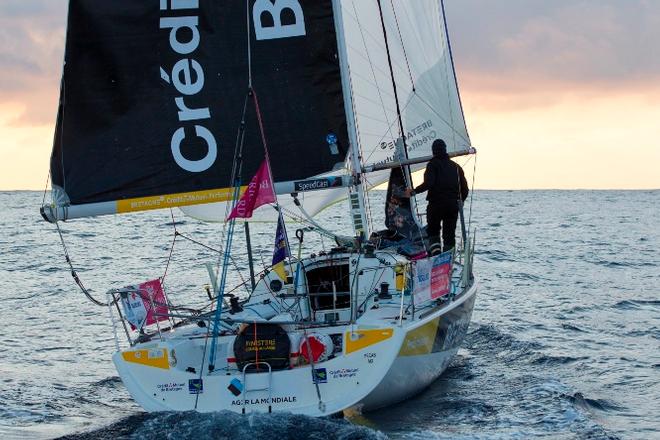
(562, 85)
(31, 9)
(511, 53)
(520, 45)
(31, 53)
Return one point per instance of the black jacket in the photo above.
(444, 180)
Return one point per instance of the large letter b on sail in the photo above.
(194, 166)
(275, 10)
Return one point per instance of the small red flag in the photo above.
(259, 192)
(145, 304)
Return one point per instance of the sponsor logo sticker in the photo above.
(170, 387)
(196, 386)
(344, 373)
(235, 387)
(319, 375)
(265, 401)
(314, 184)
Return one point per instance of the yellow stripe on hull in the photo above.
(156, 357)
(360, 339)
(420, 340)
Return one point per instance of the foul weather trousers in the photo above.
(442, 216)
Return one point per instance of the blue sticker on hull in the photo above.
(196, 386)
(319, 375)
(236, 387)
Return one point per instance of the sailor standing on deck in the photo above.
(446, 185)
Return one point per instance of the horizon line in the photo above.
(475, 189)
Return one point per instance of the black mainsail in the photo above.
(152, 97)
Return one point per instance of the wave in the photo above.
(636, 304)
(542, 359)
(573, 328)
(488, 340)
(494, 255)
(112, 381)
(228, 425)
(578, 399)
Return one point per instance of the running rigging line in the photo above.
(236, 176)
(74, 274)
(405, 54)
(371, 66)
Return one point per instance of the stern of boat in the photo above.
(426, 351)
(164, 377)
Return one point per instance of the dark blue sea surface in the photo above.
(564, 343)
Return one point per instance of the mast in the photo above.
(248, 244)
(357, 193)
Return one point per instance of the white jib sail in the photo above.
(423, 72)
(426, 85)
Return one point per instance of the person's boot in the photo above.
(434, 246)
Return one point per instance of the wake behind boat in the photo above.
(173, 104)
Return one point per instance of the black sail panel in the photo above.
(153, 93)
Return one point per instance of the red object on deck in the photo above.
(313, 344)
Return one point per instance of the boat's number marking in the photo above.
(370, 357)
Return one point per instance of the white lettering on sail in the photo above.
(278, 30)
(188, 79)
(175, 24)
(194, 166)
(191, 114)
(180, 4)
(182, 80)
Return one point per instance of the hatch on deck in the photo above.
(323, 281)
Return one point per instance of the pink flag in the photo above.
(145, 305)
(259, 192)
(441, 275)
(432, 277)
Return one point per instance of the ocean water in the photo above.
(564, 343)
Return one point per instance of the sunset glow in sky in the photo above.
(557, 94)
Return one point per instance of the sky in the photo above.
(557, 93)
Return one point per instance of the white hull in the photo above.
(416, 366)
(382, 361)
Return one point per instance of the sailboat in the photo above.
(177, 103)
